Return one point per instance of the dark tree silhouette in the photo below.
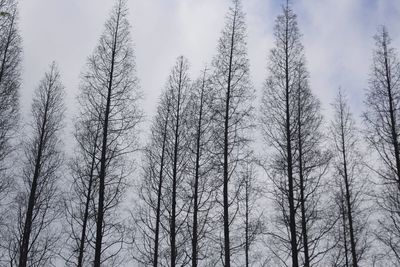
(202, 187)
(80, 204)
(149, 245)
(311, 166)
(233, 112)
(10, 72)
(350, 182)
(291, 125)
(382, 133)
(38, 206)
(163, 218)
(278, 114)
(109, 95)
(178, 89)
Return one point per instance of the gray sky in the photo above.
(337, 35)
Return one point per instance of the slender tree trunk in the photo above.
(348, 195)
(344, 229)
(292, 219)
(302, 198)
(226, 152)
(87, 203)
(174, 172)
(196, 180)
(23, 258)
(85, 219)
(247, 242)
(160, 182)
(102, 175)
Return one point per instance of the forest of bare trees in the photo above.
(227, 174)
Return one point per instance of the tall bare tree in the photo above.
(202, 186)
(38, 205)
(10, 72)
(311, 166)
(164, 237)
(80, 204)
(291, 124)
(150, 243)
(233, 110)
(278, 117)
(178, 89)
(350, 181)
(382, 133)
(181, 138)
(109, 95)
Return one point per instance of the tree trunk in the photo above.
(196, 180)
(247, 242)
(87, 203)
(344, 228)
(160, 182)
(23, 258)
(174, 172)
(348, 195)
(226, 152)
(292, 219)
(302, 198)
(102, 175)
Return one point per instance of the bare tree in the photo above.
(176, 203)
(291, 124)
(251, 214)
(150, 241)
(178, 165)
(233, 112)
(80, 204)
(311, 166)
(278, 118)
(382, 133)
(37, 204)
(164, 237)
(109, 95)
(202, 187)
(340, 255)
(350, 184)
(10, 72)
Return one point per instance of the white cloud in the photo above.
(337, 38)
(338, 42)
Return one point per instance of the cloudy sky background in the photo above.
(337, 35)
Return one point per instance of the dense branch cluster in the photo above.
(217, 182)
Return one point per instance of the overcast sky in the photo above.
(337, 35)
